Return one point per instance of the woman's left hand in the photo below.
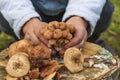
(80, 35)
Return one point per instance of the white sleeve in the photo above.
(17, 13)
(90, 10)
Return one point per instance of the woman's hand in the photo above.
(32, 31)
(80, 35)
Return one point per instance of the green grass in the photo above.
(4, 40)
(111, 36)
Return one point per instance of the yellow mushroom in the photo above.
(73, 60)
(18, 65)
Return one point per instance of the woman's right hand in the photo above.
(32, 31)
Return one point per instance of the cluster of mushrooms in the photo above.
(30, 62)
(35, 62)
(58, 34)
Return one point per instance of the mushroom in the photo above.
(18, 65)
(57, 34)
(73, 60)
(34, 73)
(69, 36)
(19, 46)
(27, 78)
(52, 41)
(55, 24)
(40, 51)
(43, 29)
(48, 34)
(3, 63)
(71, 28)
(49, 69)
(50, 77)
(90, 49)
(62, 25)
(65, 33)
(8, 77)
(91, 62)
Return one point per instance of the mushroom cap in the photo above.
(8, 77)
(19, 46)
(50, 77)
(90, 49)
(18, 65)
(73, 60)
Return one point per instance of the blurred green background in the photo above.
(111, 36)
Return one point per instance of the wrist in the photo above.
(80, 23)
(29, 23)
(85, 23)
(78, 20)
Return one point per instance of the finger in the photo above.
(77, 46)
(27, 37)
(77, 39)
(62, 52)
(80, 45)
(45, 41)
(33, 39)
(53, 51)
